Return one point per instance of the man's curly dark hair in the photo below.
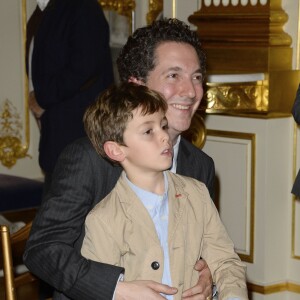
(137, 58)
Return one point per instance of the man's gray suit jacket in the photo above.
(80, 180)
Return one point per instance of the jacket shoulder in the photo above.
(189, 148)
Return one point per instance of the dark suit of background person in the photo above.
(296, 115)
(80, 180)
(71, 65)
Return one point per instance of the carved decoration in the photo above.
(197, 131)
(251, 97)
(244, 38)
(11, 147)
(155, 8)
(122, 7)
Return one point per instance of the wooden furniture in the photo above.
(12, 252)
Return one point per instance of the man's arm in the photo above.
(53, 249)
(142, 289)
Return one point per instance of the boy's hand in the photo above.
(142, 289)
(203, 289)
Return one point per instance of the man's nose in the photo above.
(187, 89)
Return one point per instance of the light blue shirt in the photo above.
(158, 209)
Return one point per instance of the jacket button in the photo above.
(155, 265)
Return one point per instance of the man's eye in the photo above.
(198, 77)
(165, 127)
(173, 75)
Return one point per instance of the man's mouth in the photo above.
(181, 107)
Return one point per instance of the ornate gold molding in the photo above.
(122, 7)
(155, 8)
(275, 288)
(11, 147)
(245, 39)
(274, 94)
(196, 134)
(240, 38)
(251, 96)
(13, 144)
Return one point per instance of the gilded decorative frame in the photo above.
(122, 7)
(155, 8)
(14, 138)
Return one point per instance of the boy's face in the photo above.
(148, 147)
(178, 77)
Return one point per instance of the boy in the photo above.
(154, 221)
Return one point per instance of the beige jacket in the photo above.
(119, 231)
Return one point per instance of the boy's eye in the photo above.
(149, 131)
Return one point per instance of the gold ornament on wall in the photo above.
(122, 7)
(155, 8)
(196, 134)
(11, 147)
(226, 97)
(14, 128)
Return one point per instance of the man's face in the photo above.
(177, 75)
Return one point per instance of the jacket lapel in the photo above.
(134, 209)
(177, 203)
(183, 159)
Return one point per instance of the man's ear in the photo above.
(114, 151)
(137, 81)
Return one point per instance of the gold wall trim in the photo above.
(256, 41)
(155, 8)
(122, 7)
(261, 97)
(242, 97)
(12, 144)
(252, 137)
(196, 134)
(275, 288)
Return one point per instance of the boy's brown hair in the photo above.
(106, 119)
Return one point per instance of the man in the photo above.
(167, 57)
(71, 65)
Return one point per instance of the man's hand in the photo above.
(203, 289)
(34, 106)
(142, 289)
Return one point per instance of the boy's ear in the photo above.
(114, 151)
